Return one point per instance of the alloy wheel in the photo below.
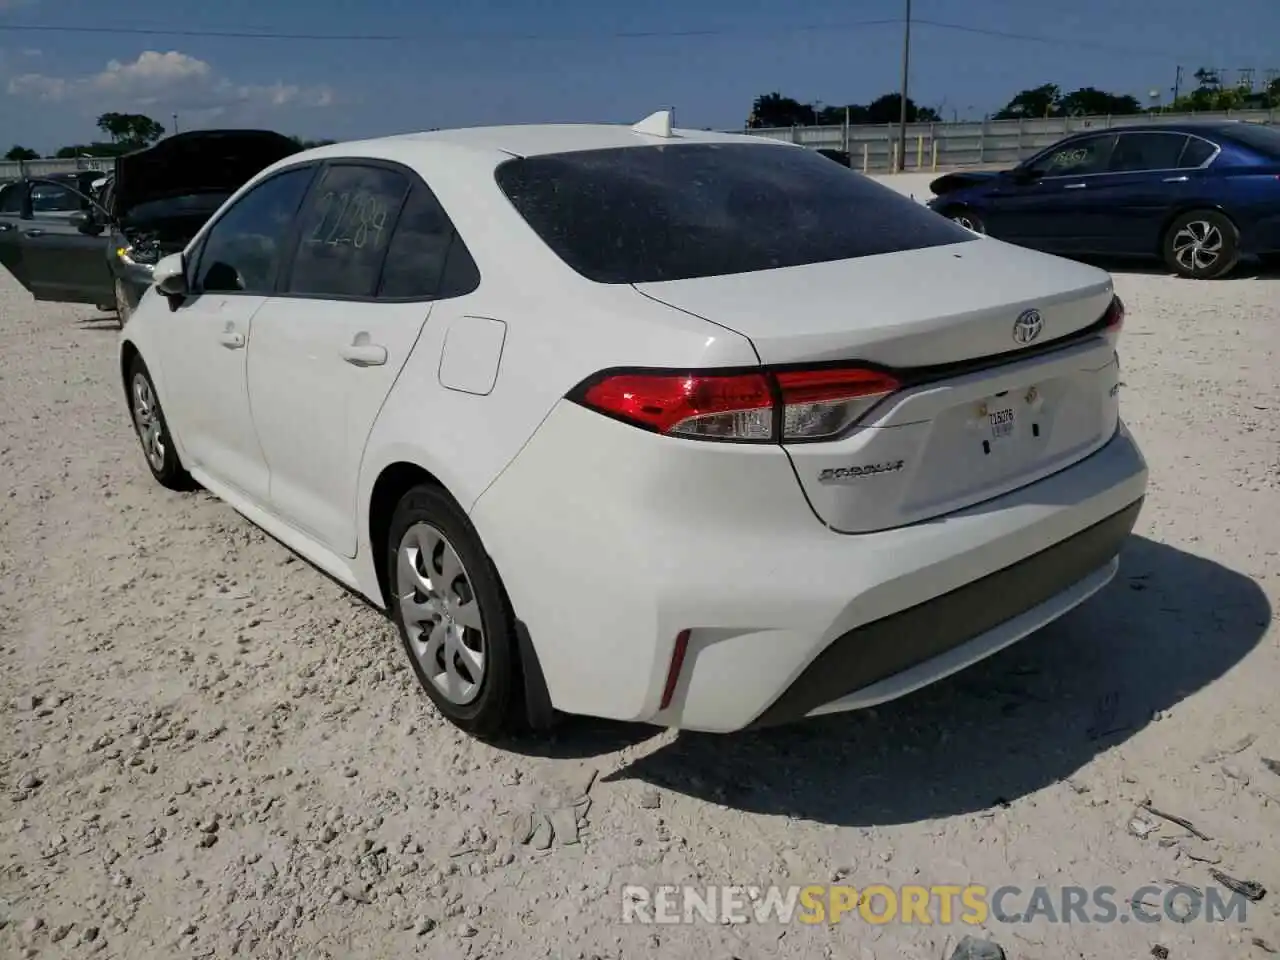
(146, 416)
(1197, 245)
(440, 613)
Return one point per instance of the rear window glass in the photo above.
(1264, 139)
(646, 214)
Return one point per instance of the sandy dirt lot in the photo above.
(210, 750)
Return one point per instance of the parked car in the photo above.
(110, 234)
(660, 425)
(1198, 195)
(41, 242)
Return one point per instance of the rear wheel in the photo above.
(1202, 245)
(452, 614)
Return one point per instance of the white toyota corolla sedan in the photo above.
(660, 425)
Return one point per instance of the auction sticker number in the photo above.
(1002, 422)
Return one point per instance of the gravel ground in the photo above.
(211, 750)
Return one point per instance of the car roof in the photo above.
(520, 140)
(1201, 127)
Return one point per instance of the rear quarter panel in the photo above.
(560, 329)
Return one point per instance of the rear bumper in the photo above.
(612, 541)
(905, 651)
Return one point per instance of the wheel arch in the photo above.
(392, 482)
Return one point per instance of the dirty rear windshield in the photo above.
(673, 212)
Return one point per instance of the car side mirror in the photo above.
(86, 223)
(170, 276)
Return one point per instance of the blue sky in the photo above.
(469, 62)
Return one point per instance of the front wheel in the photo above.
(968, 219)
(452, 613)
(153, 430)
(1201, 245)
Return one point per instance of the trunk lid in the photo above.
(911, 309)
(200, 161)
(952, 436)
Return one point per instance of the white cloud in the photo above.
(166, 83)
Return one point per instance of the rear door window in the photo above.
(344, 231)
(673, 212)
(1136, 152)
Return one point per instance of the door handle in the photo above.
(1176, 179)
(34, 233)
(1074, 186)
(364, 354)
(231, 340)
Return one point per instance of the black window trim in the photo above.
(197, 252)
(415, 181)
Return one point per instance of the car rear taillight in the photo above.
(1113, 320)
(817, 404)
(764, 406)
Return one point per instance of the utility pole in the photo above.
(175, 123)
(1177, 84)
(906, 71)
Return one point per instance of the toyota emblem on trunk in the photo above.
(1028, 326)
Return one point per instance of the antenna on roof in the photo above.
(656, 124)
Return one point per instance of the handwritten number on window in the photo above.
(357, 216)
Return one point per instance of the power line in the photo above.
(1055, 41)
(442, 37)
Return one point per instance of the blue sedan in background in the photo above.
(1199, 196)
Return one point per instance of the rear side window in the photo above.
(646, 214)
(427, 258)
(344, 231)
(1196, 153)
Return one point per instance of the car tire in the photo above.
(124, 307)
(459, 636)
(153, 430)
(1201, 245)
(967, 219)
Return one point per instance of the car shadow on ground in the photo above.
(1170, 624)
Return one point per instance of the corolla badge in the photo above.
(1027, 327)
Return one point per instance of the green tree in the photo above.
(775, 110)
(131, 129)
(1030, 104)
(888, 109)
(1092, 102)
(17, 152)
